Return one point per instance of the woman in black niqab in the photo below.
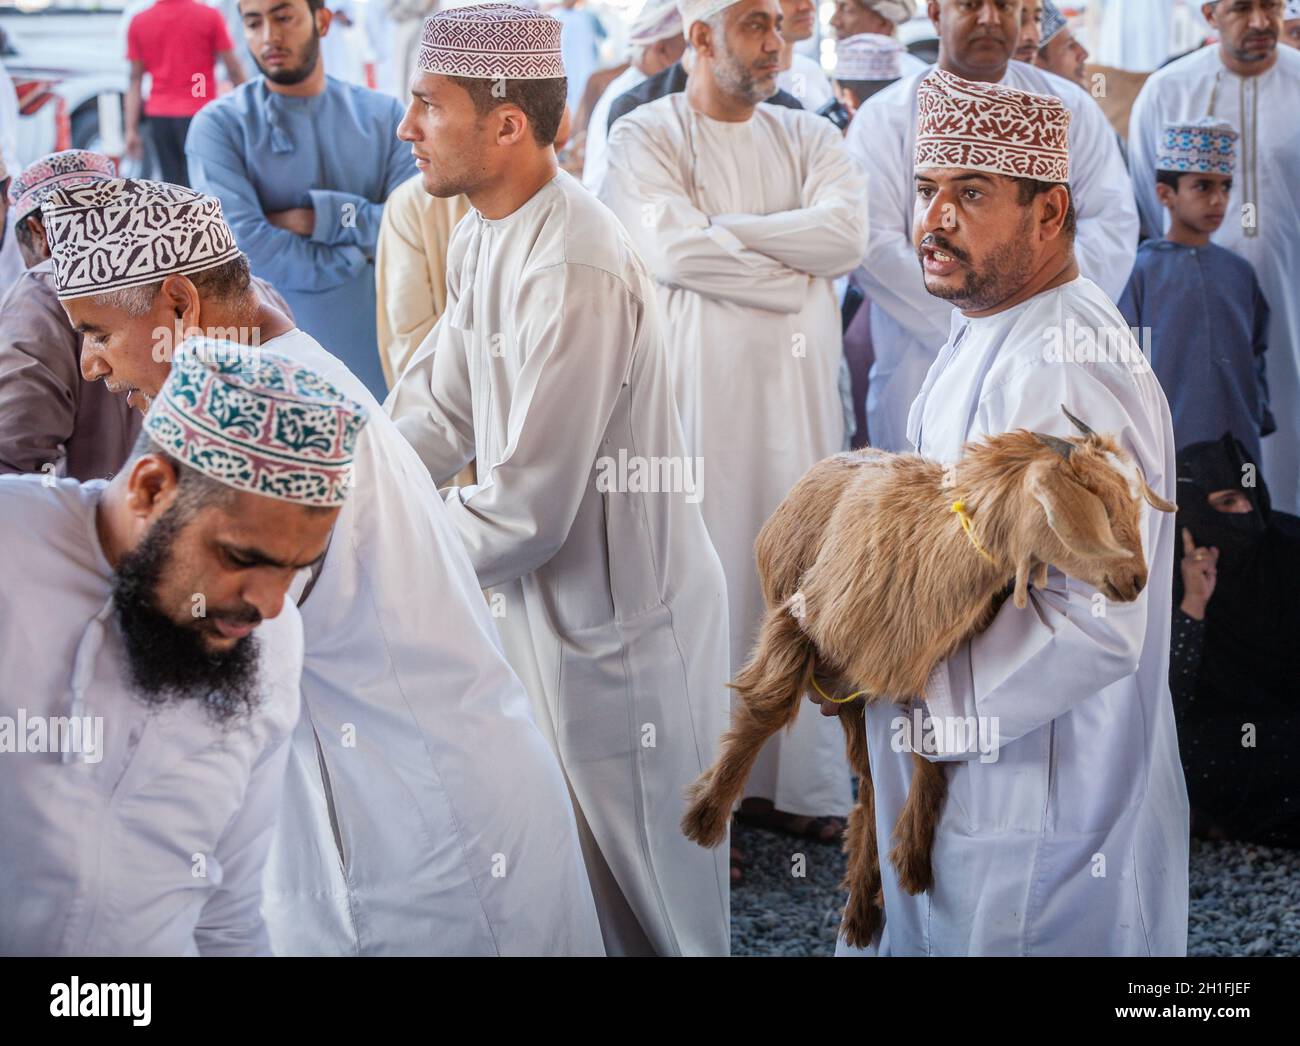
(1236, 675)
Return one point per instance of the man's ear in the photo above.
(513, 126)
(183, 302)
(701, 38)
(151, 486)
(932, 8)
(1055, 204)
(1165, 194)
(1075, 514)
(1207, 12)
(323, 18)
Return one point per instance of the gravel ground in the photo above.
(1245, 899)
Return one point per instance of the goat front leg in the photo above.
(914, 831)
(769, 689)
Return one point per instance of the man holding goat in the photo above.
(1065, 826)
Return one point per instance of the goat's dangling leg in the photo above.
(914, 831)
(770, 688)
(863, 914)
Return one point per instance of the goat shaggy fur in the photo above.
(870, 581)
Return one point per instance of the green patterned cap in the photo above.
(257, 421)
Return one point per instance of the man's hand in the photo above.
(301, 220)
(134, 145)
(1200, 570)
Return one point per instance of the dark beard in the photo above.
(289, 77)
(1003, 273)
(168, 662)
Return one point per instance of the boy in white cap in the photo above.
(1250, 82)
(152, 686)
(1199, 305)
(423, 812)
(549, 370)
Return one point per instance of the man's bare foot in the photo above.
(761, 813)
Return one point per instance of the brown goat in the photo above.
(870, 581)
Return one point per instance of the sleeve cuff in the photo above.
(330, 227)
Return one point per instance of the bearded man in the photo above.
(401, 834)
(1065, 826)
(149, 668)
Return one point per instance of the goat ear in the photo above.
(1075, 514)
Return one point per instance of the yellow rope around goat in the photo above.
(959, 507)
(835, 700)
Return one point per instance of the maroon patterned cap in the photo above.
(988, 127)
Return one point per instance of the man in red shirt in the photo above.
(177, 43)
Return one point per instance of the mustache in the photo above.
(245, 615)
(940, 243)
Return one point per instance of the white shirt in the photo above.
(745, 268)
(548, 369)
(908, 324)
(1262, 109)
(417, 743)
(1073, 839)
(156, 843)
(593, 163)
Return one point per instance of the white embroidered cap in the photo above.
(120, 232)
(868, 56)
(491, 42)
(693, 11)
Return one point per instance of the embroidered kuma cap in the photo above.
(991, 128)
(68, 167)
(658, 20)
(1050, 22)
(257, 421)
(868, 56)
(122, 232)
(492, 42)
(1205, 146)
(693, 11)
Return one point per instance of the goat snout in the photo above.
(1127, 584)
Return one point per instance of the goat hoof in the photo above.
(913, 868)
(706, 821)
(861, 924)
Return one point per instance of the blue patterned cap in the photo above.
(1050, 22)
(257, 421)
(1207, 146)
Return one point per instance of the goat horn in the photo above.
(1062, 446)
(1152, 498)
(1077, 423)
